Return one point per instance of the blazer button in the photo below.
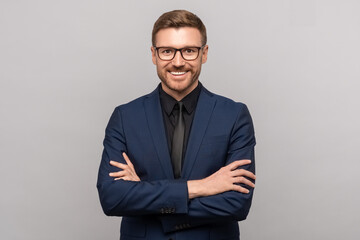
(161, 210)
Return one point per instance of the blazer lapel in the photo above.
(157, 129)
(204, 110)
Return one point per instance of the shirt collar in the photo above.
(190, 100)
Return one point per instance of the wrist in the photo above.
(195, 188)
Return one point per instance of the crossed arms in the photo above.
(225, 179)
(224, 195)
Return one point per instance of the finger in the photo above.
(127, 160)
(128, 178)
(122, 178)
(243, 172)
(239, 163)
(118, 165)
(240, 189)
(244, 181)
(118, 174)
(133, 172)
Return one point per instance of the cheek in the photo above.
(196, 67)
(159, 68)
(162, 66)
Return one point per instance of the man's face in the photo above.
(178, 76)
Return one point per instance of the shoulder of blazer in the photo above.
(224, 101)
(138, 102)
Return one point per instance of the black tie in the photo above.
(178, 142)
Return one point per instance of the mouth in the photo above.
(178, 73)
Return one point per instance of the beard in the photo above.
(180, 87)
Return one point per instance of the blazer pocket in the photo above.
(132, 227)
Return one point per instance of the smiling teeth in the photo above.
(178, 73)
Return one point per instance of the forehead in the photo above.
(178, 37)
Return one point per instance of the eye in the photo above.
(189, 50)
(166, 51)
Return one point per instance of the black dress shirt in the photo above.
(170, 112)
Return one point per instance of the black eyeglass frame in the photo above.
(180, 50)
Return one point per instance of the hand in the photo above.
(128, 171)
(225, 179)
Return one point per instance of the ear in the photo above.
(153, 55)
(204, 54)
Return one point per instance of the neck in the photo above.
(178, 95)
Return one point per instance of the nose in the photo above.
(178, 60)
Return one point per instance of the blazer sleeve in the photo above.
(227, 206)
(127, 198)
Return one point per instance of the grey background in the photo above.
(65, 65)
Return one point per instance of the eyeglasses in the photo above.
(187, 53)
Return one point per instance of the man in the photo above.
(178, 163)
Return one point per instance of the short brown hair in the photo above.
(178, 19)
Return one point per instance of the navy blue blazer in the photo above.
(158, 207)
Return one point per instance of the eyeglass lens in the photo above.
(190, 53)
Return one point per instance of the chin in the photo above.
(179, 87)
